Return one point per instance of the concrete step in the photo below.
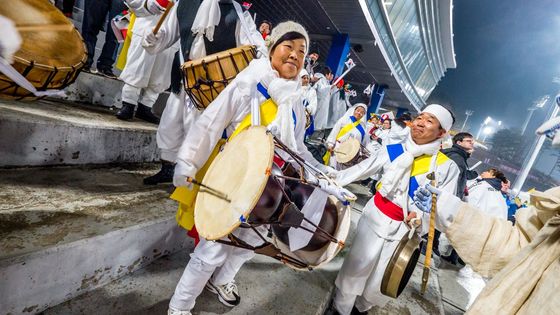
(53, 132)
(266, 287)
(65, 231)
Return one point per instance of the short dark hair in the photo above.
(267, 22)
(498, 174)
(288, 36)
(326, 70)
(461, 136)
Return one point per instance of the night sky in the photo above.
(507, 55)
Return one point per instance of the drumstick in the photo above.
(51, 27)
(163, 16)
(210, 190)
(431, 231)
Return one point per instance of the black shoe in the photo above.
(165, 175)
(145, 113)
(331, 311)
(126, 112)
(107, 72)
(356, 312)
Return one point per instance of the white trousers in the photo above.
(360, 276)
(134, 95)
(177, 117)
(472, 282)
(212, 259)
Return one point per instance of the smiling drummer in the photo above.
(273, 85)
(403, 167)
(351, 125)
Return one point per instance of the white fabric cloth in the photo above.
(284, 93)
(10, 41)
(138, 7)
(310, 95)
(144, 70)
(216, 260)
(177, 117)
(338, 106)
(489, 200)
(323, 89)
(378, 235)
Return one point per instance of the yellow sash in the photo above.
(344, 130)
(421, 165)
(186, 197)
(121, 61)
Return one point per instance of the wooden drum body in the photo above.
(52, 51)
(206, 77)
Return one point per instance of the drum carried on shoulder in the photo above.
(349, 153)
(206, 77)
(307, 226)
(52, 50)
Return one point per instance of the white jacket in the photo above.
(486, 198)
(310, 95)
(169, 33)
(226, 113)
(323, 89)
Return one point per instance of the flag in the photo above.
(349, 63)
(368, 90)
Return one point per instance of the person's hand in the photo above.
(340, 193)
(151, 39)
(412, 220)
(182, 176)
(156, 7)
(423, 197)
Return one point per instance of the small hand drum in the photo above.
(206, 77)
(350, 153)
(52, 50)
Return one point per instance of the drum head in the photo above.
(323, 255)
(347, 150)
(48, 37)
(240, 171)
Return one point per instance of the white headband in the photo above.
(442, 114)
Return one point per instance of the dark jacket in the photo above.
(458, 155)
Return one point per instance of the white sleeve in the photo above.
(331, 139)
(365, 169)
(168, 34)
(300, 136)
(323, 87)
(209, 127)
(312, 99)
(253, 37)
(138, 7)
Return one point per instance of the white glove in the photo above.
(550, 129)
(340, 193)
(156, 7)
(10, 41)
(152, 39)
(181, 175)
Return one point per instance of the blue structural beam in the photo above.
(340, 48)
(376, 99)
(400, 111)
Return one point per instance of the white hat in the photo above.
(442, 114)
(284, 28)
(303, 72)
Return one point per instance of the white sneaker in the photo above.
(172, 311)
(227, 293)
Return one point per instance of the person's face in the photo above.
(505, 186)
(314, 56)
(329, 76)
(426, 128)
(264, 28)
(359, 112)
(305, 80)
(467, 144)
(487, 174)
(386, 124)
(287, 58)
(375, 120)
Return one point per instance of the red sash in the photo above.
(388, 208)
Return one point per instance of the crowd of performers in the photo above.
(510, 268)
